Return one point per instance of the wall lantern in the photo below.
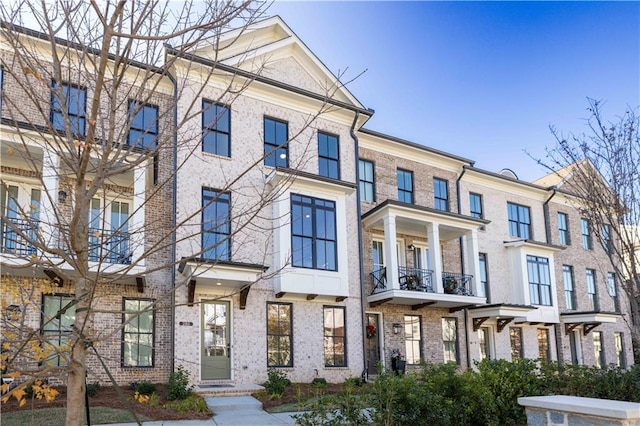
(396, 328)
(62, 196)
(13, 312)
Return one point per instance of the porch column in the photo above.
(435, 255)
(473, 261)
(390, 251)
(49, 202)
(136, 221)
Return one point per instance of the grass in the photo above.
(56, 416)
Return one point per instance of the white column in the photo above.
(136, 221)
(390, 252)
(473, 262)
(435, 256)
(49, 227)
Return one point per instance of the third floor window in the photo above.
(276, 150)
(587, 242)
(216, 224)
(328, 156)
(440, 194)
(216, 129)
(405, 186)
(519, 221)
(475, 205)
(143, 132)
(71, 104)
(563, 229)
(366, 184)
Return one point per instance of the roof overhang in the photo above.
(587, 320)
(502, 313)
(418, 299)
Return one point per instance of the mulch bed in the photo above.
(108, 397)
(297, 392)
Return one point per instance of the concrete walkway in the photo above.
(229, 410)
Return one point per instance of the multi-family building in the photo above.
(304, 241)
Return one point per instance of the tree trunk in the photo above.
(76, 386)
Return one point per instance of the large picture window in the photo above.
(143, 132)
(58, 316)
(450, 339)
(334, 337)
(412, 339)
(313, 233)
(539, 280)
(366, 184)
(138, 333)
(519, 221)
(73, 105)
(279, 335)
(216, 226)
(276, 149)
(216, 129)
(328, 155)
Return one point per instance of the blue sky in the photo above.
(483, 80)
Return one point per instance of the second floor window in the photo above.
(563, 229)
(72, 104)
(475, 205)
(276, 149)
(539, 280)
(569, 294)
(592, 292)
(440, 194)
(366, 184)
(484, 276)
(313, 233)
(405, 186)
(607, 244)
(613, 290)
(587, 242)
(328, 156)
(519, 221)
(143, 132)
(216, 224)
(216, 129)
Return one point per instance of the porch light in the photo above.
(396, 328)
(13, 312)
(411, 247)
(62, 196)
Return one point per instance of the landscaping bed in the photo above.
(296, 395)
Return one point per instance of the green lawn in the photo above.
(56, 417)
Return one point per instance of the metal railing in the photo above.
(415, 279)
(460, 284)
(13, 241)
(109, 246)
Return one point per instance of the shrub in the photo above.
(319, 382)
(144, 387)
(354, 381)
(277, 382)
(93, 388)
(178, 385)
(191, 404)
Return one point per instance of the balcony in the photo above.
(13, 242)
(416, 288)
(109, 247)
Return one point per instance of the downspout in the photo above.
(545, 211)
(360, 243)
(173, 215)
(466, 311)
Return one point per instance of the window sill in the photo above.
(221, 157)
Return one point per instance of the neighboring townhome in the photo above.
(123, 198)
(269, 257)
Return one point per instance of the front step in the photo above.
(229, 389)
(227, 404)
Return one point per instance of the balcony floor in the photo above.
(414, 298)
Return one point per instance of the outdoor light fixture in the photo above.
(396, 328)
(13, 312)
(411, 247)
(62, 196)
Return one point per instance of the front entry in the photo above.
(373, 344)
(216, 341)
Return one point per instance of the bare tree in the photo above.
(601, 168)
(117, 58)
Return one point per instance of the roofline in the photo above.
(509, 179)
(416, 145)
(394, 203)
(266, 80)
(73, 45)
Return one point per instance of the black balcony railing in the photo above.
(414, 279)
(13, 240)
(109, 246)
(457, 283)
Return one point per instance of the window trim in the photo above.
(457, 339)
(145, 131)
(329, 159)
(593, 296)
(564, 231)
(344, 337)
(153, 333)
(538, 285)
(314, 237)
(419, 340)
(474, 213)
(402, 189)
(569, 293)
(518, 221)
(587, 238)
(274, 147)
(205, 129)
(52, 111)
(441, 183)
(291, 342)
(372, 182)
(214, 200)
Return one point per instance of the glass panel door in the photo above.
(216, 342)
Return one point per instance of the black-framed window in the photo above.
(335, 336)
(138, 333)
(313, 233)
(515, 337)
(563, 229)
(1, 87)
(612, 287)
(544, 350)
(216, 128)
(276, 148)
(328, 155)
(592, 290)
(621, 358)
(587, 241)
(519, 221)
(440, 194)
(75, 104)
(450, 339)
(405, 186)
(413, 339)
(607, 243)
(539, 280)
(598, 349)
(58, 316)
(279, 334)
(366, 184)
(569, 291)
(216, 224)
(475, 205)
(484, 342)
(143, 132)
(484, 276)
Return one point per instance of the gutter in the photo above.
(466, 311)
(356, 151)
